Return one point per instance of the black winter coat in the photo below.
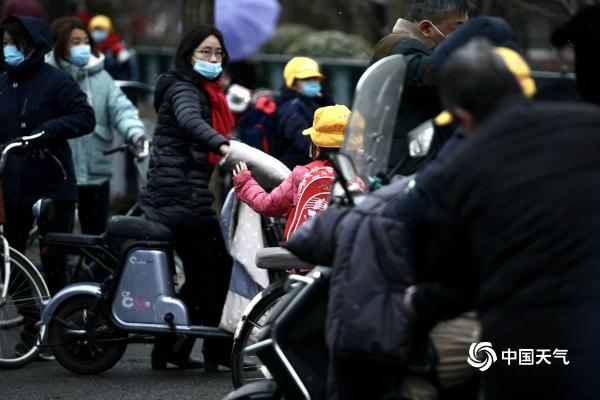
(177, 192)
(35, 96)
(516, 217)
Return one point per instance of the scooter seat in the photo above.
(70, 239)
(137, 228)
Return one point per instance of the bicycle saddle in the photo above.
(137, 228)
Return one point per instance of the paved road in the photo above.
(132, 378)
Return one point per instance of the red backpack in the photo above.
(314, 192)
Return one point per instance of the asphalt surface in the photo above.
(131, 378)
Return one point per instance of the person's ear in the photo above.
(316, 150)
(425, 28)
(467, 119)
(297, 85)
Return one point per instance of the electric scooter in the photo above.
(90, 324)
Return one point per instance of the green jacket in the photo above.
(113, 110)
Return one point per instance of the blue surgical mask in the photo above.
(80, 55)
(13, 56)
(99, 35)
(207, 69)
(311, 88)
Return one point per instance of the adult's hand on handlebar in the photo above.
(239, 168)
(138, 140)
(140, 146)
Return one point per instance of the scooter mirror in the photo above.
(420, 138)
(43, 211)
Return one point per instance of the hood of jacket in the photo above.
(410, 30)
(93, 66)
(42, 40)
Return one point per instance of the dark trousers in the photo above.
(19, 221)
(207, 267)
(93, 208)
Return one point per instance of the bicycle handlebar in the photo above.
(138, 155)
(13, 144)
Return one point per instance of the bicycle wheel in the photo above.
(20, 311)
(246, 368)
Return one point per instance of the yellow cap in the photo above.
(328, 126)
(301, 68)
(516, 65)
(102, 22)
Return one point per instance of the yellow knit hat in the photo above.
(328, 126)
(101, 22)
(301, 68)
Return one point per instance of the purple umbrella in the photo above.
(246, 24)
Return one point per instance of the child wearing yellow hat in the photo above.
(301, 95)
(326, 136)
(117, 59)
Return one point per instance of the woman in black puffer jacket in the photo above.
(193, 119)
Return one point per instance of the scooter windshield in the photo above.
(369, 132)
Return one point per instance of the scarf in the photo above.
(222, 119)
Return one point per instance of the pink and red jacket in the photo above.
(279, 201)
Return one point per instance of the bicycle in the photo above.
(23, 292)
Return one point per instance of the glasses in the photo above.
(207, 54)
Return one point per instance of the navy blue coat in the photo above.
(35, 96)
(295, 114)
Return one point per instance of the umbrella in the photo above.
(246, 24)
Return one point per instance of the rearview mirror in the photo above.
(420, 138)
